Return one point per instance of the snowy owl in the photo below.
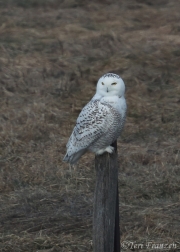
(100, 122)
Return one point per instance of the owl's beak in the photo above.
(107, 90)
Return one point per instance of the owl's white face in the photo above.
(110, 85)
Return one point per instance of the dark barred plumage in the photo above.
(98, 126)
(111, 75)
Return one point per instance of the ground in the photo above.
(51, 55)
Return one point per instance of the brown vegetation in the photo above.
(51, 56)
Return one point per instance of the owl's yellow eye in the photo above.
(102, 83)
(114, 83)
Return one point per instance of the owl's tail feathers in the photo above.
(73, 159)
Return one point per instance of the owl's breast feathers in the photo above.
(98, 125)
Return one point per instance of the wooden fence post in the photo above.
(106, 235)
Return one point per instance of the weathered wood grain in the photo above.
(106, 237)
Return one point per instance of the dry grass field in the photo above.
(51, 56)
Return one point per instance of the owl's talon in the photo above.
(109, 149)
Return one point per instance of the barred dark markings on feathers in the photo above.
(111, 75)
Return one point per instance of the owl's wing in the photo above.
(90, 125)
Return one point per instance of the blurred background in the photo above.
(52, 52)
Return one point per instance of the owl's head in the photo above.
(110, 85)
